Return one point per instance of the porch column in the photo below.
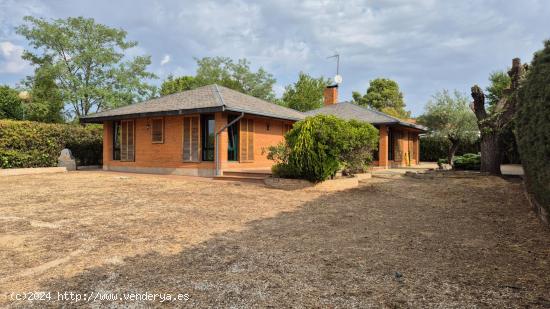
(383, 147)
(417, 148)
(221, 120)
(107, 143)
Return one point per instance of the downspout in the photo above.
(218, 170)
(217, 136)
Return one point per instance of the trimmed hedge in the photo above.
(533, 127)
(36, 144)
(433, 148)
(468, 161)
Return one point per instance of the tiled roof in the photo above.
(204, 99)
(348, 111)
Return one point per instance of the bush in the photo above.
(433, 148)
(533, 127)
(35, 144)
(469, 161)
(317, 147)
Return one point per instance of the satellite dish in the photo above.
(338, 79)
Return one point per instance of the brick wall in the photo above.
(167, 157)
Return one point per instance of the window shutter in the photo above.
(127, 140)
(157, 130)
(247, 140)
(191, 139)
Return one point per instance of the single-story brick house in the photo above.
(204, 131)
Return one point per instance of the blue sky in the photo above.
(425, 45)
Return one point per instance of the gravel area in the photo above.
(391, 243)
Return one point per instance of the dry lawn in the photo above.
(391, 243)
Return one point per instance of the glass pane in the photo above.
(208, 138)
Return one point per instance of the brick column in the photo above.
(417, 148)
(107, 143)
(383, 147)
(221, 121)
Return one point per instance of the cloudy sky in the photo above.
(425, 45)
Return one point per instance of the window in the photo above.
(232, 139)
(127, 140)
(247, 140)
(208, 137)
(191, 139)
(157, 131)
(117, 135)
(267, 125)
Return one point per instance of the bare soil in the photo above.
(391, 243)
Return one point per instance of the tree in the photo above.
(533, 129)
(492, 124)
(382, 94)
(305, 94)
(225, 72)
(450, 117)
(178, 84)
(500, 81)
(45, 103)
(87, 62)
(11, 106)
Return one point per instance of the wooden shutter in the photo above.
(247, 140)
(191, 139)
(127, 140)
(157, 131)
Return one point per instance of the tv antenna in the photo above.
(337, 77)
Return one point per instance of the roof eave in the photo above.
(100, 119)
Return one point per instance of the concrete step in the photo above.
(241, 178)
(251, 174)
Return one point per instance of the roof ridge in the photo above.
(265, 101)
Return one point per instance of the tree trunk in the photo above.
(491, 154)
(451, 152)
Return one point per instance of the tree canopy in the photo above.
(500, 81)
(44, 103)
(384, 95)
(177, 84)
(306, 93)
(11, 106)
(225, 72)
(87, 62)
(449, 115)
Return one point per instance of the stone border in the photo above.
(337, 184)
(32, 171)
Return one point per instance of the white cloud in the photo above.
(10, 58)
(165, 60)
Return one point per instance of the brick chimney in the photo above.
(331, 95)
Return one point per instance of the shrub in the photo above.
(533, 127)
(317, 147)
(435, 147)
(469, 161)
(35, 144)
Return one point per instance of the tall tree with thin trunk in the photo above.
(88, 63)
(493, 124)
(450, 117)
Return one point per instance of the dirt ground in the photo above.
(391, 243)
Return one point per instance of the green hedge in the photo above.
(433, 148)
(468, 161)
(533, 127)
(35, 144)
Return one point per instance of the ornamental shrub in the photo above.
(468, 161)
(35, 144)
(435, 147)
(533, 127)
(317, 147)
